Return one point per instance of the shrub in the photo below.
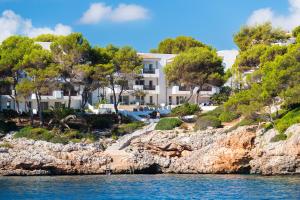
(102, 121)
(6, 127)
(127, 128)
(168, 123)
(34, 133)
(216, 112)
(207, 121)
(6, 145)
(246, 122)
(9, 113)
(228, 116)
(279, 137)
(292, 117)
(54, 136)
(185, 109)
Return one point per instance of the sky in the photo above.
(142, 24)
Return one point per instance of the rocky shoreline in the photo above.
(245, 150)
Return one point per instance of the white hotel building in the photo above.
(153, 83)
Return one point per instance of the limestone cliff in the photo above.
(244, 150)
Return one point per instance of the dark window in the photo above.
(151, 99)
(170, 100)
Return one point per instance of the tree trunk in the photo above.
(84, 99)
(31, 113)
(40, 112)
(69, 99)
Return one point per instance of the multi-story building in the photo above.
(153, 84)
(151, 88)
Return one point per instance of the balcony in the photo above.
(149, 87)
(150, 73)
(180, 90)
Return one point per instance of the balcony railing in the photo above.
(148, 71)
(183, 88)
(149, 87)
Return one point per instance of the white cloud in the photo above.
(98, 12)
(12, 23)
(287, 22)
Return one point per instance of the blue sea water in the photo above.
(150, 187)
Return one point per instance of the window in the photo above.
(124, 100)
(139, 82)
(177, 100)
(150, 66)
(151, 100)
(170, 100)
(44, 105)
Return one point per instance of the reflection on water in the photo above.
(151, 187)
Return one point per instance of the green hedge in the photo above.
(168, 123)
(207, 121)
(185, 109)
(292, 117)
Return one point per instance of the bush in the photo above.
(6, 127)
(228, 116)
(216, 112)
(102, 121)
(168, 123)
(54, 136)
(185, 109)
(9, 114)
(207, 121)
(292, 117)
(34, 133)
(279, 137)
(127, 128)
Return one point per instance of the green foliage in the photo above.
(259, 34)
(228, 116)
(8, 126)
(279, 137)
(34, 133)
(54, 136)
(123, 129)
(206, 121)
(195, 67)
(185, 109)
(246, 122)
(222, 96)
(46, 38)
(102, 121)
(296, 31)
(177, 45)
(168, 123)
(6, 145)
(292, 117)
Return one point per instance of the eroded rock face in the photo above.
(212, 151)
(244, 150)
(28, 157)
(283, 157)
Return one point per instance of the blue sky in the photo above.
(210, 21)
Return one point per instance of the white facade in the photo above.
(152, 83)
